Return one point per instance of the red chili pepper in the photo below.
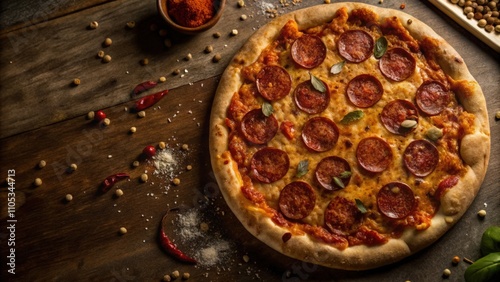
(149, 100)
(170, 247)
(111, 180)
(141, 87)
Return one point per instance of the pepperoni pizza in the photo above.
(348, 135)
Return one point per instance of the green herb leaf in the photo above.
(337, 68)
(484, 269)
(360, 206)
(317, 83)
(490, 241)
(345, 174)
(302, 168)
(352, 116)
(267, 109)
(380, 47)
(339, 182)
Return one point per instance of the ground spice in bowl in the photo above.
(191, 13)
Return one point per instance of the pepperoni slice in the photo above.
(420, 157)
(273, 82)
(355, 45)
(342, 215)
(396, 200)
(432, 97)
(320, 134)
(308, 51)
(397, 64)
(364, 90)
(257, 128)
(329, 168)
(395, 113)
(269, 164)
(310, 100)
(297, 200)
(374, 154)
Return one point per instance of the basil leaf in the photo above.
(380, 47)
(352, 116)
(490, 241)
(339, 182)
(317, 83)
(267, 109)
(337, 68)
(345, 174)
(360, 206)
(484, 269)
(302, 168)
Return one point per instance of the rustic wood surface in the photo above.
(42, 117)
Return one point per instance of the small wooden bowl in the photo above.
(163, 11)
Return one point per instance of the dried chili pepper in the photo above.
(149, 100)
(170, 247)
(141, 87)
(111, 180)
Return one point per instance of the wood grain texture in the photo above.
(43, 117)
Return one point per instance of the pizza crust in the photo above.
(454, 203)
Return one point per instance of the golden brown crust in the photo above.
(474, 149)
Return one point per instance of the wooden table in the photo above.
(47, 44)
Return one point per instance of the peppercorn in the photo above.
(122, 230)
(217, 57)
(446, 273)
(76, 81)
(176, 72)
(144, 177)
(455, 260)
(241, 3)
(163, 32)
(167, 278)
(167, 42)
(162, 79)
(133, 129)
(176, 181)
(119, 192)
(106, 121)
(175, 274)
(217, 34)
(107, 42)
(100, 54)
(37, 182)
(144, 61)
(42, 164)
(243, 17)
(189, 167)
(131, 24)
(68, 197)
(185, 275)
(209, 49)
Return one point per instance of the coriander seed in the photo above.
(100, 54)
(93, 25)
(119, 192)
(37, 182)
(446, 273)
(106, 121)
(167, 278)
(241, 3)
(144, 177)
(133, 129)
(76, 81)
(106, 59)
(42, 164)
(176, 72)
(135, 163)
(162, 79)
(216, 58)
(217, 34)
(141, 114)
(185, 147)
(144, 61)
(243, 17)
(176, 181)
(209, 49)
(481, 214)
(122, 230)
(189, 167)
(162, 145)
(107, 42)
(73, 167)
(175, 274)
(131, 24)
(68, 197)
(185, 275)
(90, 115)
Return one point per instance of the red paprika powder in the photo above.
(191, 13)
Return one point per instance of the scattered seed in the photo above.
(176, 72)
(217, 34)
(241, 3)
(68, 197)
(106, 59)
(176, 181)
(163, 32)
(381, 1)
(93, 25)
(153, 27)
(167, 42)
(135, 163)
(73, 167)
(402, 6)
(133, 129)
(107, 42)
(217, 57)
(90, 115)
(246, 258)
(42, 164)
(76, 81)
(106, 121)
(141, 114)
(234, 32)
(209, 49)
(497, 115)
(144, 177)
(144, 61)
(185, 275)
(449, 219)
(204, 226)
(481, 214)
(327, 1)
(167, 278)
(131, 24)
(100, 54)
(162, 79)
(185, 147)
(189, 167)
(188, 57)
(122, 230)
(162, 145)
(409, 21)
(243, 17)
(37, 182)
(119, 192)
(446, 273)
(455, 260)
(175, 274)
(481, 23)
